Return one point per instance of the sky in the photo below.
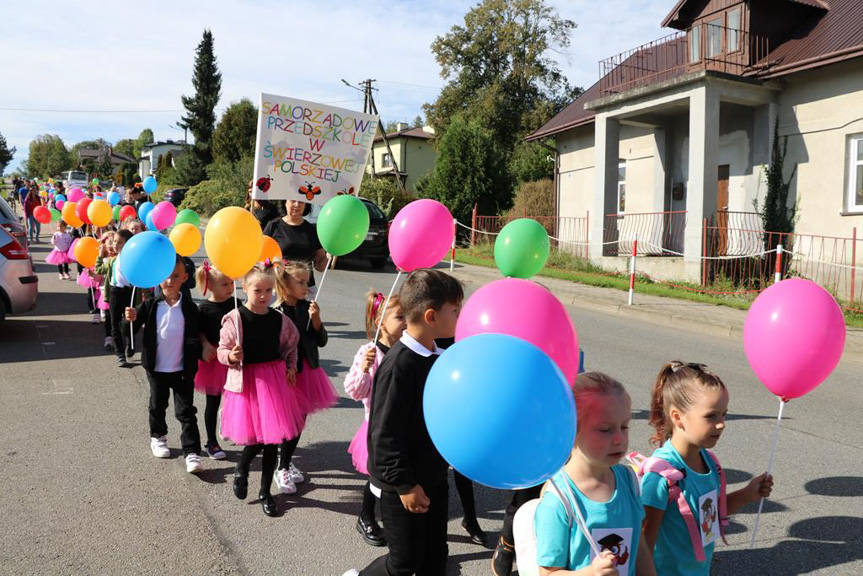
(86, 69)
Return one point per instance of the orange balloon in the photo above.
(233, 241)
(186, 239)
(99, 213)
(270, 249)
(70, 216)
(86, 251)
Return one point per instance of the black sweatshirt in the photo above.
(310, 339)
(401, 453)
(146, 317)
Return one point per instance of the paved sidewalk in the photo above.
(698, 317)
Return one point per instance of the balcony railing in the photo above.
(702, 47)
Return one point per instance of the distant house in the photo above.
(412, 151)
(96, 157)
(151, 152)
(675, 135)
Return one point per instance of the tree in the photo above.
(531, 162)
(48, 156)
(200, 115)
(471, 169)
(105, 167)
(500, 70)
(126, 146)
(236, 132)
(145, 137)
(6, 154)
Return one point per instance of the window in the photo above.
(733, 30)
(714, 37)
(695, 44)
(387, 160)
(855, 180)
(621, 187)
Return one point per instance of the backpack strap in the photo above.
(723, 504)
(573, 511)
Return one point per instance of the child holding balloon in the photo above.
(292, 288)
(688, 409)
(118, 294)
(62, 241)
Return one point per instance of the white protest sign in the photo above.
(310, 152)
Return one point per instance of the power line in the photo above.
(172, 111)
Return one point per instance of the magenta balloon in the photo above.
(794, 336)
(74, 195)
(59, 204)
(421, 235)
(164, 215)
(525, 310)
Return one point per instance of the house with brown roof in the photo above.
(410, 150)
(675, 136)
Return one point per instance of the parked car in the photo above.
(19, 286)
(75, 179)
(10, 222)
(176, 196)
(375, 247)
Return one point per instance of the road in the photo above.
(83, 495)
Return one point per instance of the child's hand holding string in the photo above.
(368, 360)
(131, 314)
(315, 315)
(759, 487)
(604, 565)
(236, 354)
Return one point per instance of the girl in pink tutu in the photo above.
(292, 288)
(62, 241)
(358, 385)
(212, 374)
(261, 405)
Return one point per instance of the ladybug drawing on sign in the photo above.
(615, 544)
(263, 183)
(310, 191)
(348, 192)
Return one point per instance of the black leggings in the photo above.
(63, 268)
(118, 300)
(287, 452)
(464, 487)
(211, 411)
(268, 465)
(367, 514)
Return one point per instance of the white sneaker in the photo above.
(159, 447)
(102, 315)
(193, 464)
(109, 343)
(352, 572)
(95, 319)
(295, 473)
(284, 482)
(61, 276)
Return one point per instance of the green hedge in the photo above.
(210, 196)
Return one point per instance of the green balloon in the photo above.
(55, 215)
(521, 249)
(342, 225)
(116, 212)
(187, 216)
(95, 181)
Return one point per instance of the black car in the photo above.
(176, 196)
(375, 247)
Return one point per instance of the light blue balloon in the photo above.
(148, 221)
(500, 411)
(59, 198)
(147, 259)
(113, 198)
(150, 185)
(144, 211)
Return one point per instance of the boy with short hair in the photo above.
(405, 469)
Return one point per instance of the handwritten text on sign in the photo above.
(310, 152)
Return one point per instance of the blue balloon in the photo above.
(148, 221)
(113, 198)
(147, 259)
(150, 185)
(59, 198)
(500, 411)
(144, 210)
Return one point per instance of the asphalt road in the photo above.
(83, 495)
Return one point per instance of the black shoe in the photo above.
(269, 505)
(241, 486)
(477, 536)
(129, 352)
(371, 532)
(501, 562)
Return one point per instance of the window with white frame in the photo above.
(855, 179)
(714, 37)
(621, 187)
(695, 44)
(733, 30)
(387, 160)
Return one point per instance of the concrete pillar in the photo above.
(660, 171)
(607, 151)
(703, 170)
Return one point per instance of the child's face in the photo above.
(444, 320)
(603, 431)
(62, 227)
(259, 291)
(222, 287)
(171, 285)
(704, 422)
(119, 242)
(135, 227)
(298, 284)
(395, 323)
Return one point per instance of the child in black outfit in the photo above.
(405, 469)
(172, 347)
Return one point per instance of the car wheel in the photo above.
(378, 263)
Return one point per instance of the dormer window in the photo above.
(714, 37)
(695, 45)
(733, 30)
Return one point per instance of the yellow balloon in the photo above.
(270, 250)
(233, 241)
(70, 216)
(186, 239)
(86, 251)
(99, 213)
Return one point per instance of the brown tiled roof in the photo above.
(573, 115)
(673, 20)
(417, 132)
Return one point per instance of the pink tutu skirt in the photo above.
(359, 449)
(100, 300)
(58, 257)
(211, 377)
(267, 411)
(88, 281)
(316, 388)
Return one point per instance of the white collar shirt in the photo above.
(415, 346)
(170, 328)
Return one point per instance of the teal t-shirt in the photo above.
(615, 525)
(673, 554)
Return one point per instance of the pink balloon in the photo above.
(794, 336)
(525, 310)
(59, 204)
(421, 235)
(75, 194)
(71, 251)
(164, 215)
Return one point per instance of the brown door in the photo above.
(722, 209)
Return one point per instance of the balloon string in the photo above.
(131, 327)
(237, 310)
(769, 469)
(384, 311)
(320, 287)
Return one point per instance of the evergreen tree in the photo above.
(236, 132)
(6, 154)
(200, 115)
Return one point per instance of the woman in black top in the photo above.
(297, 238)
